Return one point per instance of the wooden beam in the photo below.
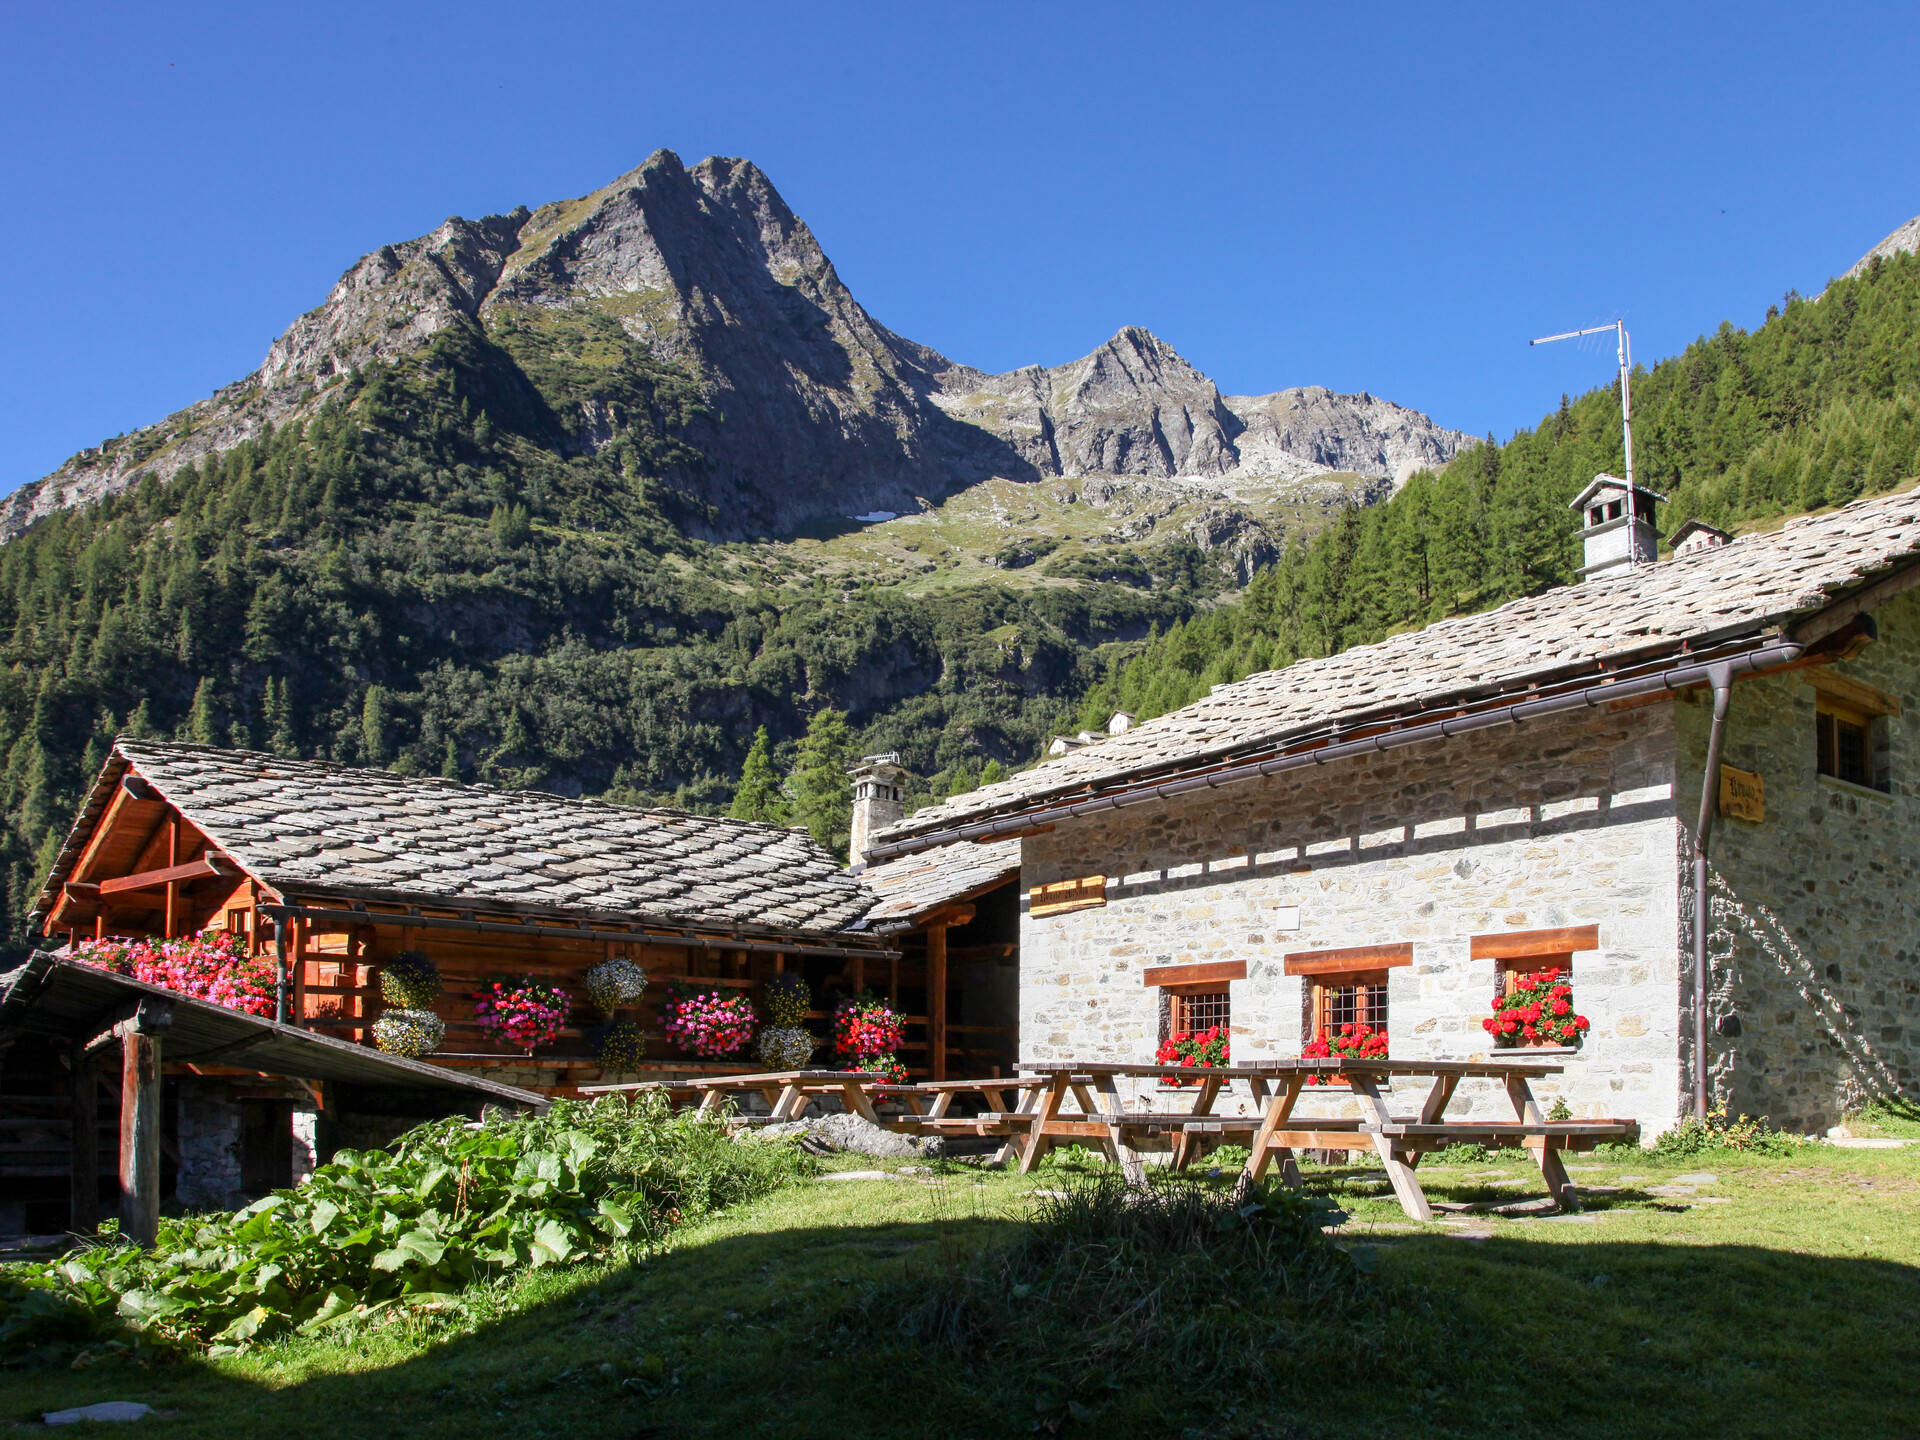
(1525, 944)
(949, 915)
(937, 998)
(140, 1122)
(1848, 691)
(84, 1215)
(1356, 957)
(1222, 971)
(148, 879)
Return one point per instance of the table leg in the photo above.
(996, 1099)
(1048, 1105)
(710, 1101)
(1188, 1147)
(857, 1101)
(1278, 1110)
(1088, 1105)
(1400, 1174)
(942, 1100)
(1028, 1099)
(1434, 1107)
(792, 1103)
(1552, 1170)
(1124, 1154)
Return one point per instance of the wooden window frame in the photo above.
(1845, 708)
(1329, 971)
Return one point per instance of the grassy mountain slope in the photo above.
(432, 573)
(1818, 406)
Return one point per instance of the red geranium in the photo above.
(1355, 1039)
(1539, 1008)
(214, 966)
(1194, 1048)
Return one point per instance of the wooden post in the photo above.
(937, 998)
(858, 968)
(140, 1121)
(173, 886)
(84, 1218)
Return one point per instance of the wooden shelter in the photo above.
(955, 913)
(332, 870)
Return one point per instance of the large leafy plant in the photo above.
(450, 1205)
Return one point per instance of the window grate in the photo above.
(1356, 1005)
(1193, 1013)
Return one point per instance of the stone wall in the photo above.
(1815, 992)
(1563, 822)
(209, 1177)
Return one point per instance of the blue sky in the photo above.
(1364, 196)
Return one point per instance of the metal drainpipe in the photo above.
(1722, 680)
(280, 970)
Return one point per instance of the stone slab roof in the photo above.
(917, 885)
(313, 828)
(1717, 594)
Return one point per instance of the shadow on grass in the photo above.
(758, 1335)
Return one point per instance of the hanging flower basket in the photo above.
(619, 1046)
(787, 999)
(521, 1011)
(786, 1047)
(411, 1033)
(409, 981)
(1198, 1049)
(1539, 1011)
(613, 983)
(212, 966)
(1354, 1040)
(708, 1022)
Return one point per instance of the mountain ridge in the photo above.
(811, 407)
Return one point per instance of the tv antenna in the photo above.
(1625, 351)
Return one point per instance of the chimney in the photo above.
(1618, 525)
(879, 800)
(1695, 536)
(1120, 723)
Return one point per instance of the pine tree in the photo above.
(373, 725)
(822, 793)
(278, 711)
(993, 773)
(203, 725)
(758, 797)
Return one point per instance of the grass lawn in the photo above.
(1779, 1298)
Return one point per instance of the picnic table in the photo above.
(1399, 1141)
(786, 1091)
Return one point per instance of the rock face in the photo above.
(1906, 238)
(814, 409)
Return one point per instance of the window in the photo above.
(1359, 999)
(1346, 987)
(1850, 740)
(1202, 1010)
(1843, 743)
(1525, 952)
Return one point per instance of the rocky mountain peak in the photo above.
(812, 408)
(1905, 239)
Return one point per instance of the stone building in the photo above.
(1387, 834)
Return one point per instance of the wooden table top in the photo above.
(1280, 1069)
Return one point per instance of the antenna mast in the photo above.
(1625, 351)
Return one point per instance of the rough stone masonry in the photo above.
(1580, 820)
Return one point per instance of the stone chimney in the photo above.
(1618, 529)
(879, 800)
